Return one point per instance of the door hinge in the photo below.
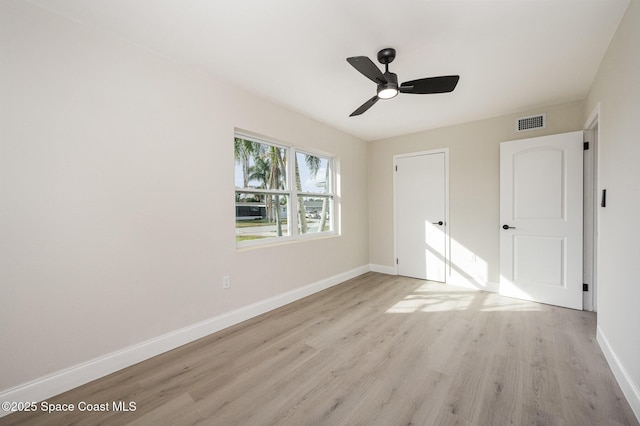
(396, 168)
(585, 287)
(586, 146)
(396, 260)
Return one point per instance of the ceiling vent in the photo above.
(532, 122)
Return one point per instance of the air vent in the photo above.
(532, 122)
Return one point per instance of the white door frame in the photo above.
(592, 124)
(447, 260)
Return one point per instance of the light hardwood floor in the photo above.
(375, 350)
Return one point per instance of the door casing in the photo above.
(592, 133)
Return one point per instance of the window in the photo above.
(281, 193)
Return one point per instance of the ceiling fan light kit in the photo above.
(388, 82)
(387, 91)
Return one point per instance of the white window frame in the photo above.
(292, 193)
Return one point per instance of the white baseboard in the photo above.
(383, 269)
(629, 389)
(64, 380)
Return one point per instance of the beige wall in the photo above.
(116, 192)
(474, 155)
(616, 89)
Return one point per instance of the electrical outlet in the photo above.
(226, 281)
(473, 257)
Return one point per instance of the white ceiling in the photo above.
(511, 55)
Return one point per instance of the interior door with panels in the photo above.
(541, 219)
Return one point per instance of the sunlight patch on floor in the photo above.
(434, 297)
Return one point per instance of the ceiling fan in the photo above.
(388, 82)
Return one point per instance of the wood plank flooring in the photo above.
(375, 350)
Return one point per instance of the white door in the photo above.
(420, 199)
(541, 219)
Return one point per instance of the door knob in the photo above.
(508, 227)
(439, 223)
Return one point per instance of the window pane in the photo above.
(316, 217)
(313, 173)
(264, 216)
(259, 165)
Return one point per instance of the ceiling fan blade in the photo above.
(443, 84)
(368, 69)
(365, 106)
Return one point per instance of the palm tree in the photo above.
(276, 179)
(325, 202)
(260, 172)
(243, 151)
(313, 163)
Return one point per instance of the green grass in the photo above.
(248, 237)
(250, 223)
